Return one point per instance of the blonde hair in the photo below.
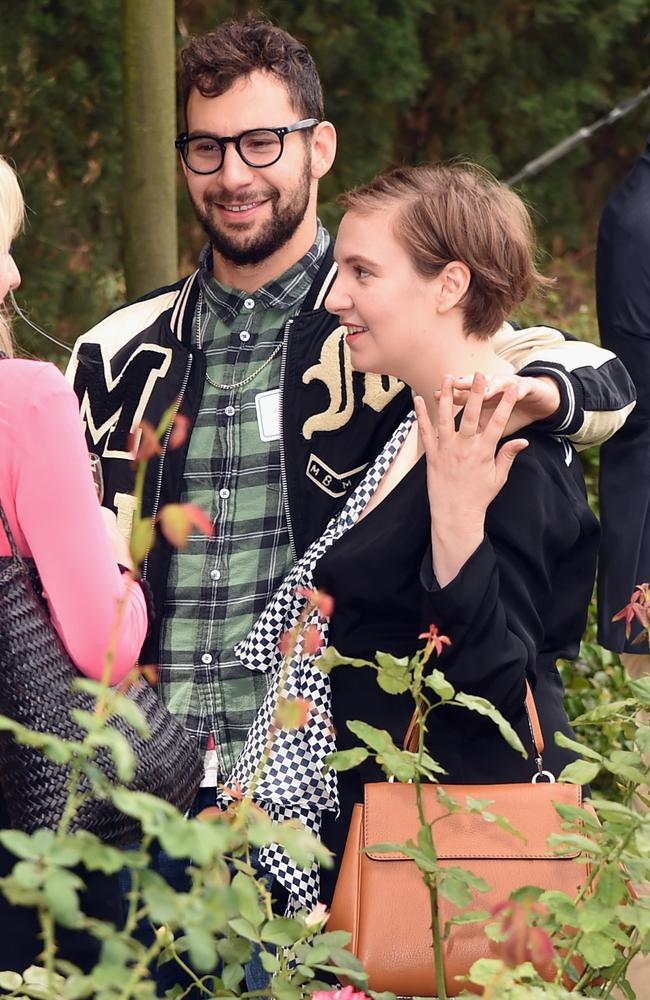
(459, 211)
(12, 216)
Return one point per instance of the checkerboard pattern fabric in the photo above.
(218, 586)
(293, 785)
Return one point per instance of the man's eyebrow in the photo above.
(197, 133)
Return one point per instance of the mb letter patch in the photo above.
(336, 484)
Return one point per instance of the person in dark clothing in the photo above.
(623, 299)
(489, 537)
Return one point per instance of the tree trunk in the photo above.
(149, 179)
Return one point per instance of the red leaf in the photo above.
(198, 518)
(434, 639)
(150, 672)
(177, 520)
(318, 599)
(236, 793)
(312, 640)
(285, 643)
(180, 430)
(148, 445)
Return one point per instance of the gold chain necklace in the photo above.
(244, 381)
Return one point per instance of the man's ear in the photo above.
(453, 282)
(323, 149)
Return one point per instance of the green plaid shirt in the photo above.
(218, 586)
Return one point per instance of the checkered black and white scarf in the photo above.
(293, 785)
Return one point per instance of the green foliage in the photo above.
(546, 939)
(405, 81)
(228, 909)
(61, 93)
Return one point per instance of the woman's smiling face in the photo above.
(387, 307)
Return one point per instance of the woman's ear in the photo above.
(453, 282)
(323, 149)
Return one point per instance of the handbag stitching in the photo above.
(510, 856)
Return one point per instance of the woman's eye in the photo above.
(361, 271)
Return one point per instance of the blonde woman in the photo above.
(48, 496)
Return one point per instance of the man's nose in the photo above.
(234, 173)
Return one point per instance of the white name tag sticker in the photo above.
(267, 405)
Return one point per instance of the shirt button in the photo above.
(249, 303)
(206, 658)
(224, 493)
(229, 411)
(244, 336)
(215, 574)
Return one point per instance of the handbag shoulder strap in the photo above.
(12, 542)
(533, 721)
(412, 735)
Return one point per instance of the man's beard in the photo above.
(266, 241)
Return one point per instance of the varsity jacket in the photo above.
(141, 359)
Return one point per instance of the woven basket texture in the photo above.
(36, 690)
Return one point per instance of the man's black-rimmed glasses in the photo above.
(258, 147)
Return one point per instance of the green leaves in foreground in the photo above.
(481, 705)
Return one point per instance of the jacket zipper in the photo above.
(156, 503)
(283, 471)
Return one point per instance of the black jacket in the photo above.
(140, 359)
(623, 296)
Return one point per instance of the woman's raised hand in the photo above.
(464, 470)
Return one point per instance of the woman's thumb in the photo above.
(508, 454)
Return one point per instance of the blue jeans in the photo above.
(173, 870)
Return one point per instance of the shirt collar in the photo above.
(286, 292)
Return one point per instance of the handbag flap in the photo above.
(390, 815)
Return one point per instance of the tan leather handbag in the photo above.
(381, 899)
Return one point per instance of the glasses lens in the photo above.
(203, 154)
(261, 147)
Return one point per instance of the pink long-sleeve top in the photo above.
(48, 495)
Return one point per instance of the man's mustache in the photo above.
(227, 199)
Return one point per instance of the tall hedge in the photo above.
(405, 80)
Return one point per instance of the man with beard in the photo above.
(281, 429)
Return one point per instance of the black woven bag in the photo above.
(36, 675)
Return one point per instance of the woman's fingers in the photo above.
(470, 419)
(496, 425)
(499, 383)
(425, 427)
(446, 428)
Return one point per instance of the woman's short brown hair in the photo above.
(214, 61)
(459, 211)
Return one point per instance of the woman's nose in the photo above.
(337, 299)
(14, 274)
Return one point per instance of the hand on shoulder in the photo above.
(537, 398)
